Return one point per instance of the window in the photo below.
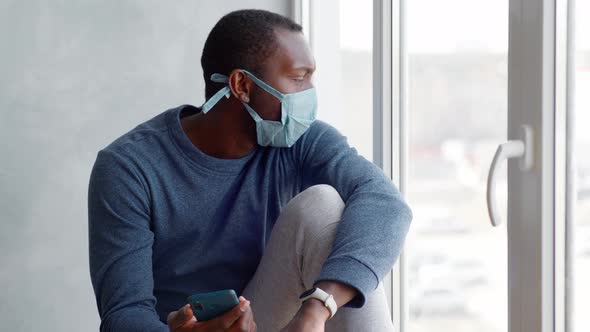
(341, 40)
(457, 106)
(446, 95)
(581, 143)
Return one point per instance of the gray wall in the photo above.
(74, 75)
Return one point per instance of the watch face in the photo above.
(307, 293)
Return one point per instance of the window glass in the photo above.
(581, 109)
(342, 47)
(457, 106)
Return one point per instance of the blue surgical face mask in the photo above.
(298, 111)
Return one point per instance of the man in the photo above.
(247, 192)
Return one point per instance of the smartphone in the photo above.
(212, 304)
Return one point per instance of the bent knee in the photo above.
(318, 204)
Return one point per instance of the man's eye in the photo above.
(298, 79)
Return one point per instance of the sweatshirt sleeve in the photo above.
(375, 220)
(120, 246)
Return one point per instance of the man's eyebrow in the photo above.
(306, 68)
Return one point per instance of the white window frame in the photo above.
(537, 83)
(390, 128)
(565, 196)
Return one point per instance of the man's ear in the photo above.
(241, 85)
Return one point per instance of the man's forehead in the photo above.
(293, 51)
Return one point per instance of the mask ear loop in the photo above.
(276, 93)
(268, 88)
(225, 91)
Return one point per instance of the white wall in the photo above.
(74, 75)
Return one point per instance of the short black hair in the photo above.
(241, 39)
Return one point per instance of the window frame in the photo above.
(390, 129)
(537, 86)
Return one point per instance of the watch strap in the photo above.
(323, 296)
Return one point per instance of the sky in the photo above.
(435, 26)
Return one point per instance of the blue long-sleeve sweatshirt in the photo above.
(167, 220)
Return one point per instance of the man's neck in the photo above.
(224, 132)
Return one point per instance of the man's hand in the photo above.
(311, 317)
(239, 319)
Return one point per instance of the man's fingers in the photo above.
(226, 320)
(246, 322)
(178, 318)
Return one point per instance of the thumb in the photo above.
(180, 317)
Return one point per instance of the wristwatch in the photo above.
(319, 294)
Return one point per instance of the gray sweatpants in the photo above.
(300, 242)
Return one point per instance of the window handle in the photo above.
(523, 149)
